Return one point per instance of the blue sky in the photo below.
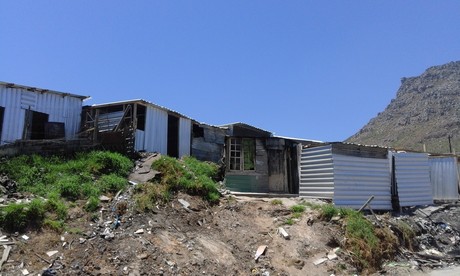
(310, 69)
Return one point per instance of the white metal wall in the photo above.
(412, 175)
(185, 140)
(316, 173)
(156, 130)
(358, 178)
(444, 178)
(60, 108)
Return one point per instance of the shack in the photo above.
(347, 174)
(444, 176)
(208, 142)
(258, 162)
(138, 125)
(30, 113)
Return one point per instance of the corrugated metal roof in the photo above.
(299, 139)
(444, 177)
(245, 125)
(42, 90)
(412, 174)
(140, 101)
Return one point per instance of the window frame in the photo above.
(237, 153)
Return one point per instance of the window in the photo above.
(241, 154)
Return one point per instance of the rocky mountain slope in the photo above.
(426, 111)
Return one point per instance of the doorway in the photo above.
(35, 125)
(173, 136)
(2, 112)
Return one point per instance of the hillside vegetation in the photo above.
(426, 110)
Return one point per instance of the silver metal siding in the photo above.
(139, 140)
(412, 174)
(156, 130)
(316, 173)
(358, 178)
(185, 131)
(444, 178)
(60, 108)
(14, 116)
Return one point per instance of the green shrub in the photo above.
(69, 187)
(289, 221)
(105, 162)
(14, 217)
(189, 175)
(111, 183)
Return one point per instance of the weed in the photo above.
(111, 183)
(289, 221)
(327, 211)
(56, 225)
(296, 215)
(77, 231)
(298, 208)
(407, 234)
(92, 204)
(19, 216)
(276, 202)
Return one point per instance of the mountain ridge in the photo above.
(425, 114)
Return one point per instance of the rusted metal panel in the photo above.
(358, 178)
(316, 173)
(61, 108)
(444, 177)
(412, 176)
(185, 140)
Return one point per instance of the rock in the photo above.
(320, 261)
(104, 199)
(51, 253)
(25, 237)
(260, 251)
(283, 233)
(140, 231)
(25, 272)
(82, 240)
(143, 256)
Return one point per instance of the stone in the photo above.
(320, 261)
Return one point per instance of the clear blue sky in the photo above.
(308, 69)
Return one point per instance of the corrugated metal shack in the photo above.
(138, 125)
(258, 162)
(348, 174)
(30, 113)
(444, 175)
(411, 184)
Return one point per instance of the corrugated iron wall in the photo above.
(185, 140)
(60, 108)
(156, 130)
(358, 178)
(412, 175)
(316, 173)
(444, 177)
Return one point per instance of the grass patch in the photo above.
(188, 175)
(289, 221)
(298, 208)
(61, 181)
(19, 216)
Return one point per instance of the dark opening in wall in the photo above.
(2, 112)
(197, 131)
(173, 136)
(35, 125)
(141, 111)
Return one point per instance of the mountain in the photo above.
(426, 111)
